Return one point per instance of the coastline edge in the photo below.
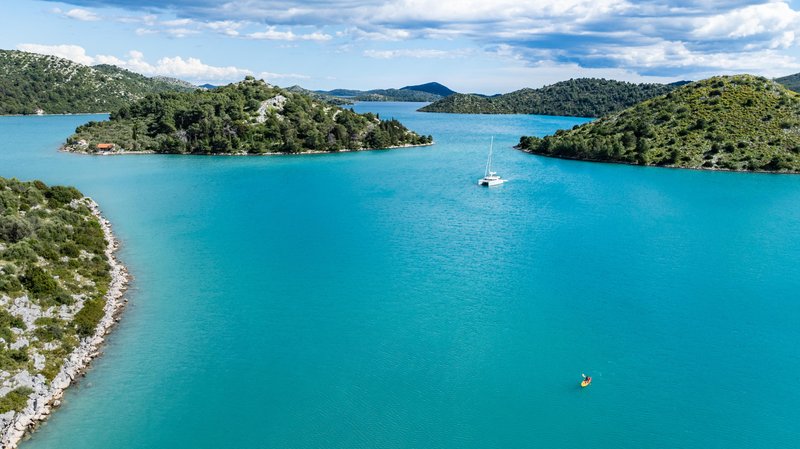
(40, 406)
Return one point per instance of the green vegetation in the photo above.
(320, 96)
(420, 93)
(15, 399)
(396, 95)
(53, 266)
(29, 82)
(249, 117)
(792, 82)
(738, 122)
(583, 97)
(89, 316)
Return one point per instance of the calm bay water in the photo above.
(383, 300)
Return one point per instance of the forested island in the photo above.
(320, 96)
(31, 83)
(59, 289)
(740, 122)
(417, 93)
(582, 97)
(248, 117)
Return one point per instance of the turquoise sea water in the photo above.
(383, 300)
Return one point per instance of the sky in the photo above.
(485, 46)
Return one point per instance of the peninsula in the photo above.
(248, 117)
(432, 91)
(582, 97)
(741, 122)
(31, 83)
(60, 288)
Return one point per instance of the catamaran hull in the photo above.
(490, 183)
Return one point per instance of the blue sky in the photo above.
(469, 45)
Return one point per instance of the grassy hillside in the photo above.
(53, 275)
(30, 81)
(249, 117)
(583, 97)
(738, 122)
(792, 82)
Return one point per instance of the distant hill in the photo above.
(208, 86)
(341, 92)
(30, 81)
(170, 80)
(327, 98)
(582, 97)
(248, 117)
(420, 93)
(431, 88)
(791, 82)
(396, 95)
(738, 122)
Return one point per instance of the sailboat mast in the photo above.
(489, 161)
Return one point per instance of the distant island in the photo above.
(792, 82)
(60, 288)
(248, 117)
(740, 122)
(325, 98)
(31, 83)
(582, 97)
(418, 93)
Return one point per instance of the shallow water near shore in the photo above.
(382, 300)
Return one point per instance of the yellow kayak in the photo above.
(586, 382)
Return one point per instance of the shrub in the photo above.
(89, 316)
(70, 249)
(10, 285)
(9, 202)
(38, 282)
(14, 229)
(20, 252)
(15, 400)
(49, 329)
(60, 195)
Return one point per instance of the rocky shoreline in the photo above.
(676, 167)
(47, 397)
(69, 149)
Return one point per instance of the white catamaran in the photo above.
(490, 178)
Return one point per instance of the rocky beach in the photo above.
(14, 426)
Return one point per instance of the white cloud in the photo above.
(677, 55)
(177, 66)
(269, 76)
(481, 11)
(189, 68)
(177, 22)
(223, 25)
(420, 53)
(81, 14)
(769, 18)
(654, 34)
(271, 33)
(108, 59)
(71, 52)
(382, 35)
(180, 32)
